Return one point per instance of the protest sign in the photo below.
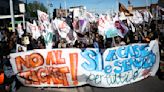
(71, 67)
(20, 48)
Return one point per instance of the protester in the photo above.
(62, 44)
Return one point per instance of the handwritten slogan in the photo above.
(75, 67)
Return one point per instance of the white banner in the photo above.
(73, 67)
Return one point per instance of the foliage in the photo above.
(33, 7)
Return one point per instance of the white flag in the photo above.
(123, 29)
(82, 26)
(20, 30)
(90, 17)
(48, 35)
(62, 27)
(35, 30)
(131, 25)
(122, 16)
(102, 25)
(28, 30)
(43, 17)
(137, 18)
(106, 27)
(64, 31)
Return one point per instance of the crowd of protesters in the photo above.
(8, 41)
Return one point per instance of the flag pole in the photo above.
(12, 15)
(65, 4)
(117, 12)
(48, 11)
(117, 5)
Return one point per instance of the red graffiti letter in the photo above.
(20, 62)
(36, 60)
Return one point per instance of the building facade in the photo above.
(5, 11)
(153, 8)
(77, 11)
(5, 7)
(60, 13)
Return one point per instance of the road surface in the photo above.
(150, 84)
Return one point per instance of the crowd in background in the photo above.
(144, 34)
(91, 39)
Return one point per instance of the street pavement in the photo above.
(150, 84)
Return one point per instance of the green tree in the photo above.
(33, 7)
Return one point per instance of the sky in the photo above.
(93, 5)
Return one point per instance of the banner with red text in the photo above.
(71, 67)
